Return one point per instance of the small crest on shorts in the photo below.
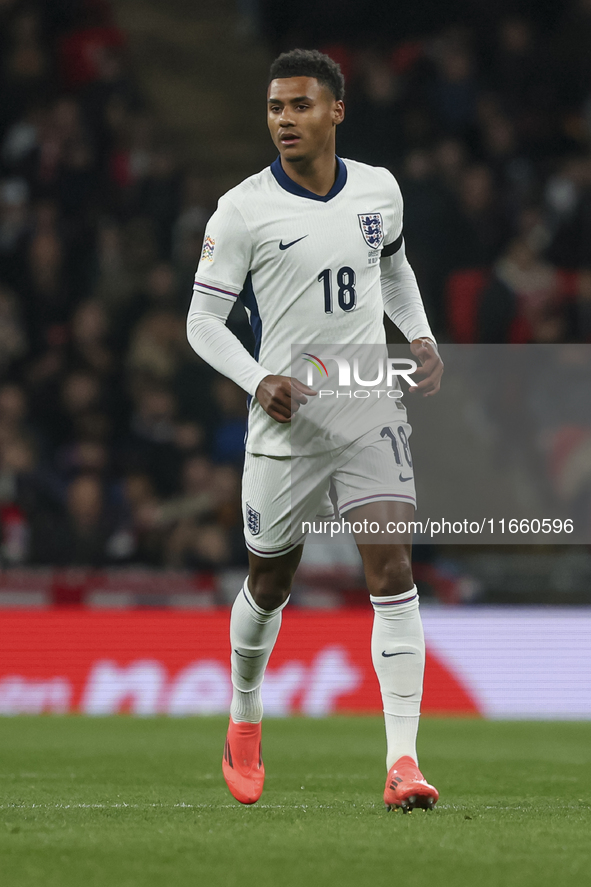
(253, 520)
(208, 247)
(372, 229)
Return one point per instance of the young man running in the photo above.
(276, 242)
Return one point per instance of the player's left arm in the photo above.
(404, 306)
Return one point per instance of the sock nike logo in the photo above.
(402, 653)
(238, 653)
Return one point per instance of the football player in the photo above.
(313, 247)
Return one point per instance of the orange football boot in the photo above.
(242, 763)
(407, 788)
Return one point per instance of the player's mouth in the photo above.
(289, 138)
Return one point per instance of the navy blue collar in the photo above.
(289, 185)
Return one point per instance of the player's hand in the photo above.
(281, 396)
(431, 368)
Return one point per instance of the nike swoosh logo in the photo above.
(402, 653)
(238, 653)
(283, 245)
(404, 478)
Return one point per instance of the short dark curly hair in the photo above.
(310, 63)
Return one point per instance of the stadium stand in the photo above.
(118, 447)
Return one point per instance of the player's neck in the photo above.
(316, 175)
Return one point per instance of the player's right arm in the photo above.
(222, 270)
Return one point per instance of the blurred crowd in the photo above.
(487, 124)
(117, 444)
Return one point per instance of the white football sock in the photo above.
(398, 654)
(253, 632)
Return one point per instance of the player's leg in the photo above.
(254, 625)
(398, 646)
(398, 649)
(274, 554)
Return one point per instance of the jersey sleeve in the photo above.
(400, 292)
(226, 253)
(402, 298)
(222, 269)
(209, 336)
(393, 231)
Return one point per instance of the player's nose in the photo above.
(285, 118)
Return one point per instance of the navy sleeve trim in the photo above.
(216, 289)
(392, 248)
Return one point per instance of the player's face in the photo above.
(302, 116)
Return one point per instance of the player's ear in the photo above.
(338, 114)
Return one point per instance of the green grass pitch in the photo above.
(141, 803)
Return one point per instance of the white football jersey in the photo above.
(306, 267)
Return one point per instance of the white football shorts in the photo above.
(280, 493)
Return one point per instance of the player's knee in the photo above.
(392, 576)
(269, 590)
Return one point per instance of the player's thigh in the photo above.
(386, 556)
(379, 469)
(376, 496)
(278, 499)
